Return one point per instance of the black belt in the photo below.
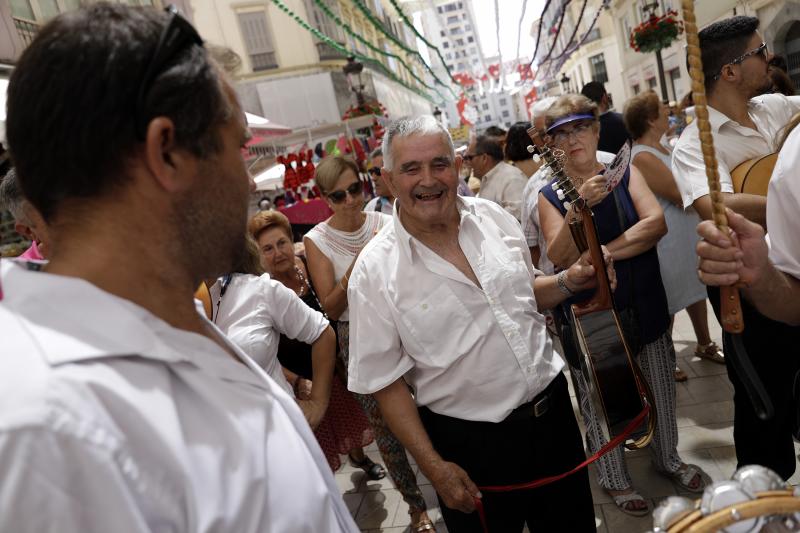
(537, 407)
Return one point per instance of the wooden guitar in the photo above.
(752, 176)
(617, 388)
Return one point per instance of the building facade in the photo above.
(292, 77)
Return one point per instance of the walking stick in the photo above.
(731, 320)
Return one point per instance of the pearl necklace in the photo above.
(302, 281)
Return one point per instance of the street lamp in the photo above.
(565, 83)
(353, 70)
(649, 10)
(437, 113)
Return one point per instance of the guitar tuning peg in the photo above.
(536, 158)
(566, 205)
(554, 186)
(531, 149)
(560, 194)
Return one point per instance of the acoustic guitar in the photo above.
(617, 387)
(752, 176)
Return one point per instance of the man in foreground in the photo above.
(122, 408)
(467, 336)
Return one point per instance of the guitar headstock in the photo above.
(553, 159)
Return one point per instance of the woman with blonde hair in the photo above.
(332, 247)
(647, 120)
(629, 223)
(345, 428)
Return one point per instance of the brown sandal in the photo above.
(710, 351)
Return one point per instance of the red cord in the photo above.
(610, 445)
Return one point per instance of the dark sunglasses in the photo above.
(762, 49)
(375, 171)
(338, 197)
(178, 34)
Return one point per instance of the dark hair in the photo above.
(11, 197)
(71, 121)
(639, 111)
(779, 62)
(517, 142)
(495, 131)
(485, 144)
(594, 91)
(722, 42)
(249, 259)
(781, 82)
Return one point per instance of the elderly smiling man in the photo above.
(445, 300)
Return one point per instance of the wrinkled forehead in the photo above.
(420, 147)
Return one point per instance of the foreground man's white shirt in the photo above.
(469, 353)
(113, 421)
(783, 204)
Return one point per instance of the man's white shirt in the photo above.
(733, 143)
(783, 208)
(111, 420)
(469, 352)
(504, 185)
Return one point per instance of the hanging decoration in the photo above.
(466, 113)
(368, 108)
(501, 70)
(372, 47)
(336, 46)
(656, 33)
(464, 79)
(525, 72)
(519, 27)
(530, 98)
(421, 37)
(539, 32)
(368, 14)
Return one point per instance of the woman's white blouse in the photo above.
(255, 310)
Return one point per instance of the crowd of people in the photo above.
(171, 363)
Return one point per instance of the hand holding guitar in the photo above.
(594, 190)
(581, 275)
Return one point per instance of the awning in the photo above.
(264, 127)
(313, 135)
(310, 212)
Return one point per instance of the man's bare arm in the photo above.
(751, 206)
(450, 481)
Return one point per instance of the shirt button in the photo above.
(424, 306)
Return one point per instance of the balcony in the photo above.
(26, 29)
(263, 61)
(326, 51)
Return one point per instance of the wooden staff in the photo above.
(731, 309)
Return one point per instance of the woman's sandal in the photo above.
(423, 526)
(684, 476)
(622, 502)
(373, 470)
(710, 351)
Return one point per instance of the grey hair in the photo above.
(407, 126)
(11, 197)
(540, 107)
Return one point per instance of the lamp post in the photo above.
(649, 10)
(564, 83)
(353, 70)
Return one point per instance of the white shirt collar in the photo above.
(717, 119)
(404, 239)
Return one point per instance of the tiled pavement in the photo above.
(705, 425)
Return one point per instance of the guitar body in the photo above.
(752, 176)
(616, 386)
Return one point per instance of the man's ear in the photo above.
(25, 230)
(165, 161)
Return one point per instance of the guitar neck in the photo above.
(602, 296)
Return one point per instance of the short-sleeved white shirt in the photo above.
(253, 313)
(111, 420)
(733, 144)
(503, 185)
(783, 208)
(469, 352)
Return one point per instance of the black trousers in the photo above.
(516, 451)
(775, 353)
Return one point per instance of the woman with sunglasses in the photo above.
(332, 247)
(630, 223)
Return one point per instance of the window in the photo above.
(473, 50)
(636, 89)
(452, 19)
(460, 5)
(485, 106)
(470, 39)
(442, 33)
(450, 7)
(503, 101)
(467, 27)
(445, 45)
(651, 83)
(598, 66)
(459, 42)
(257, 40)
(487, 118)
(506, 114)
(456, 30)
(449, 66)
(42, 10)
(440, 9)
(448, 55)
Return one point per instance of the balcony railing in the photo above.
(263, 61)
(326, 51)
(26, 29)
